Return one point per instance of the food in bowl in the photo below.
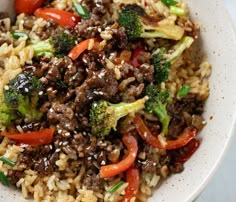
(100, 100)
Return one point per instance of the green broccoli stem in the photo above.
(122, 109)
(179, 48)
(43, 48)
(162, 31)
(161, 112)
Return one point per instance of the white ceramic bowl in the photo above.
(219, 44)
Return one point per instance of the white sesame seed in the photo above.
(6, 87)
(103, 163)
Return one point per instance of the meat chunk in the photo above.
(100, 85)
(63, 115)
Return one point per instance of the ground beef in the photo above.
(41, 159)
(189, 104)
(119, 40)
(100, 85)
(177, 112)
(63, 115)
(89, 28)
(144, 73)
(14, 176)
(94, 61)
(97, 7)
(176, 126)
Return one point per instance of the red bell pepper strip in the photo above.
(187, 135)
(115, 169)
(27, 6)
(80, 48)
(34, 138)
(63, 18)
(135, 57)
(133, 178)
(192, 146)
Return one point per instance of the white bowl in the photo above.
(219, 43)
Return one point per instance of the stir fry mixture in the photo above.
(100, 100)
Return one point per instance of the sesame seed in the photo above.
(40, 92)
(103, 163)
(6, 87)
(58, 150)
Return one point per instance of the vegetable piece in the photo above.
(140, 27)
(60, 44)
(191, 147)
(21, 95)
(177, 11)
(43, 48)
(162, 60)
(136, 55)
(156, 104)
(187, 135)
(104, 115)
(17, 35)
(4, 179)
(80, 48)
(7, 161)
(169, 2)
(116, 187)
(27, 6)
(63, 18)
(115, 169)
(81, 10)
(6, 115)
(34, 138)
(183, 91)
(133, 178)
(63, 43)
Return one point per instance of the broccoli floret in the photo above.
(104, 115)
(63, 43)
(5, 115)
(58, 45)
(156, 104)
(138, 26)
(21, 96)
(162, 60)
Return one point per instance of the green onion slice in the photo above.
(4, 179)
(17, 35)
(81, 10)
(183, 91)
(115, 187)
(177, 11)
(7, 161)
(169, 2)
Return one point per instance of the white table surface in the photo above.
(222, 187)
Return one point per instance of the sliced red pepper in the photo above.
(133, 178)
(27, 6)
(80, 48)
(136, 56)
(115, 169)
(187, 135)
(63, 18)
(34, 138)
(191, 147)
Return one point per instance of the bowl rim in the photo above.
(231, 131)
